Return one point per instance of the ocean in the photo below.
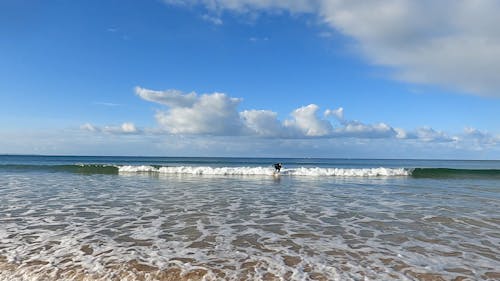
(170, 218)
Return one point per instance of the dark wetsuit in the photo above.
(277, 166)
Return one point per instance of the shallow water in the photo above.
(154, 226)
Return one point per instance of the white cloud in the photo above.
(337, 113)
(360, 130)
(174, 98)
(64, 142)
(400, 133)
(305, 121)
(217, 114)
(262, 123)
(473, 132)
(428, 134)
(214, 114)
(210, 124)
(128, 128)
(125, 128)
(88, 127)
(452, 43)
(479, 139)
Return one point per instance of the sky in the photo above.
(258, 78)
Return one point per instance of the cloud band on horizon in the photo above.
(217, 114)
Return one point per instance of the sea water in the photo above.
(140, 218)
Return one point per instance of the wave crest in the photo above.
(244, 171)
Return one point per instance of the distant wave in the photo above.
(76, 168)
(455, 173)
(262, 171)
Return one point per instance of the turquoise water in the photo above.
(143, 218)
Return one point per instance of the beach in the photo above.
(147, 218)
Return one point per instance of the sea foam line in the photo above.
(244, 171)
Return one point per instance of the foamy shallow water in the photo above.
(63, 226)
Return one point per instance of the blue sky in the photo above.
(388, 79)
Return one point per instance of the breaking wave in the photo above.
(259, 171)
(250, 171)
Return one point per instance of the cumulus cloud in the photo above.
(217, 114)
(213, 120)
(452, 43)
(479, 139)
(263, 123)
(214, 114)
(306, 121)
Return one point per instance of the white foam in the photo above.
(298, 231)
(137, 169)
(342, 172)
(250, 171)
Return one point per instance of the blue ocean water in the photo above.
(161, 218)
(251, 162)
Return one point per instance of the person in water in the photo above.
(277, 166)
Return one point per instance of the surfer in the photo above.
(277, 167)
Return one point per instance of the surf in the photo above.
(251, 171)
(113, 169)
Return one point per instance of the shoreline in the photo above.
(140, 271)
